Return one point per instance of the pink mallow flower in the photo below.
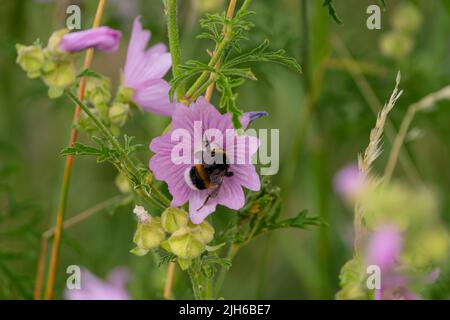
(349, 181)
(223, 183)
(144, 72)
(93, 288)
(101, 38)
(383, 250)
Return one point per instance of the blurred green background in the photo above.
(324, 116)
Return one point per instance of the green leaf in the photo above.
(228, 99)
(81, 149)
(139, 251)
(214, 248)
(262, 54)
(184, 263)
(351, 280)
(301, 221)
(187, 71)
(332, 11)
(89, 73)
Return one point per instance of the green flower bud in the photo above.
(396, 45)
(48, 66)
(122, 183)
(30, 59)
(203, 231)
(55, 92)
(125, 94)
(85, 123)
(53, 43)
(61, 76)
(98, 90)
(118, 113)
(149, 234)
(184, 263)
(185, 245)
(173, 219)
(406, 18)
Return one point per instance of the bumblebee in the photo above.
(209, 175)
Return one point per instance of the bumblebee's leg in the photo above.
(212, 194)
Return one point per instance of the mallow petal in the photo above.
(249, 117)
(198, 211)
(101, 38)
(153, 96)
(231, 195)
(246, 176)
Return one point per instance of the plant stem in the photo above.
(195, 284)
(80, 217)
(232, 251)
(174, 42)
(66, 180)
(204, 76)
(218, 51)
(230, 13)
(175, 51)
(425, 103)
(169, 280)
(374, 103)
(129, 165)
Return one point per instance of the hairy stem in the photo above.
(174, 42)
(210, 89)
(65, 183)
(218, 51)
(232, 251)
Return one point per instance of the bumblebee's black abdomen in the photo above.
(196, 179)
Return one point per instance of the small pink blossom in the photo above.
(101, 38)
(242, 173)
(384, 247)
(93, 288)
(349, 181)
(144, 71)
(383, 250)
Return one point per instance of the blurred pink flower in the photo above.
(93, 288)
(384, 247)
(383, 250)
(176, 175)
(348, 181)
(101, 38)
(144, 72)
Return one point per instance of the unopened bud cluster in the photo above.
(55, 67)
(186, 240)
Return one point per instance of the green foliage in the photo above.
(214, 24)
(227, 34)
(212, 263)
(104, 152)
(300, 221)
(89, 73)
(351, 281)
(332, 11)
(262, 53)
(19, 239)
